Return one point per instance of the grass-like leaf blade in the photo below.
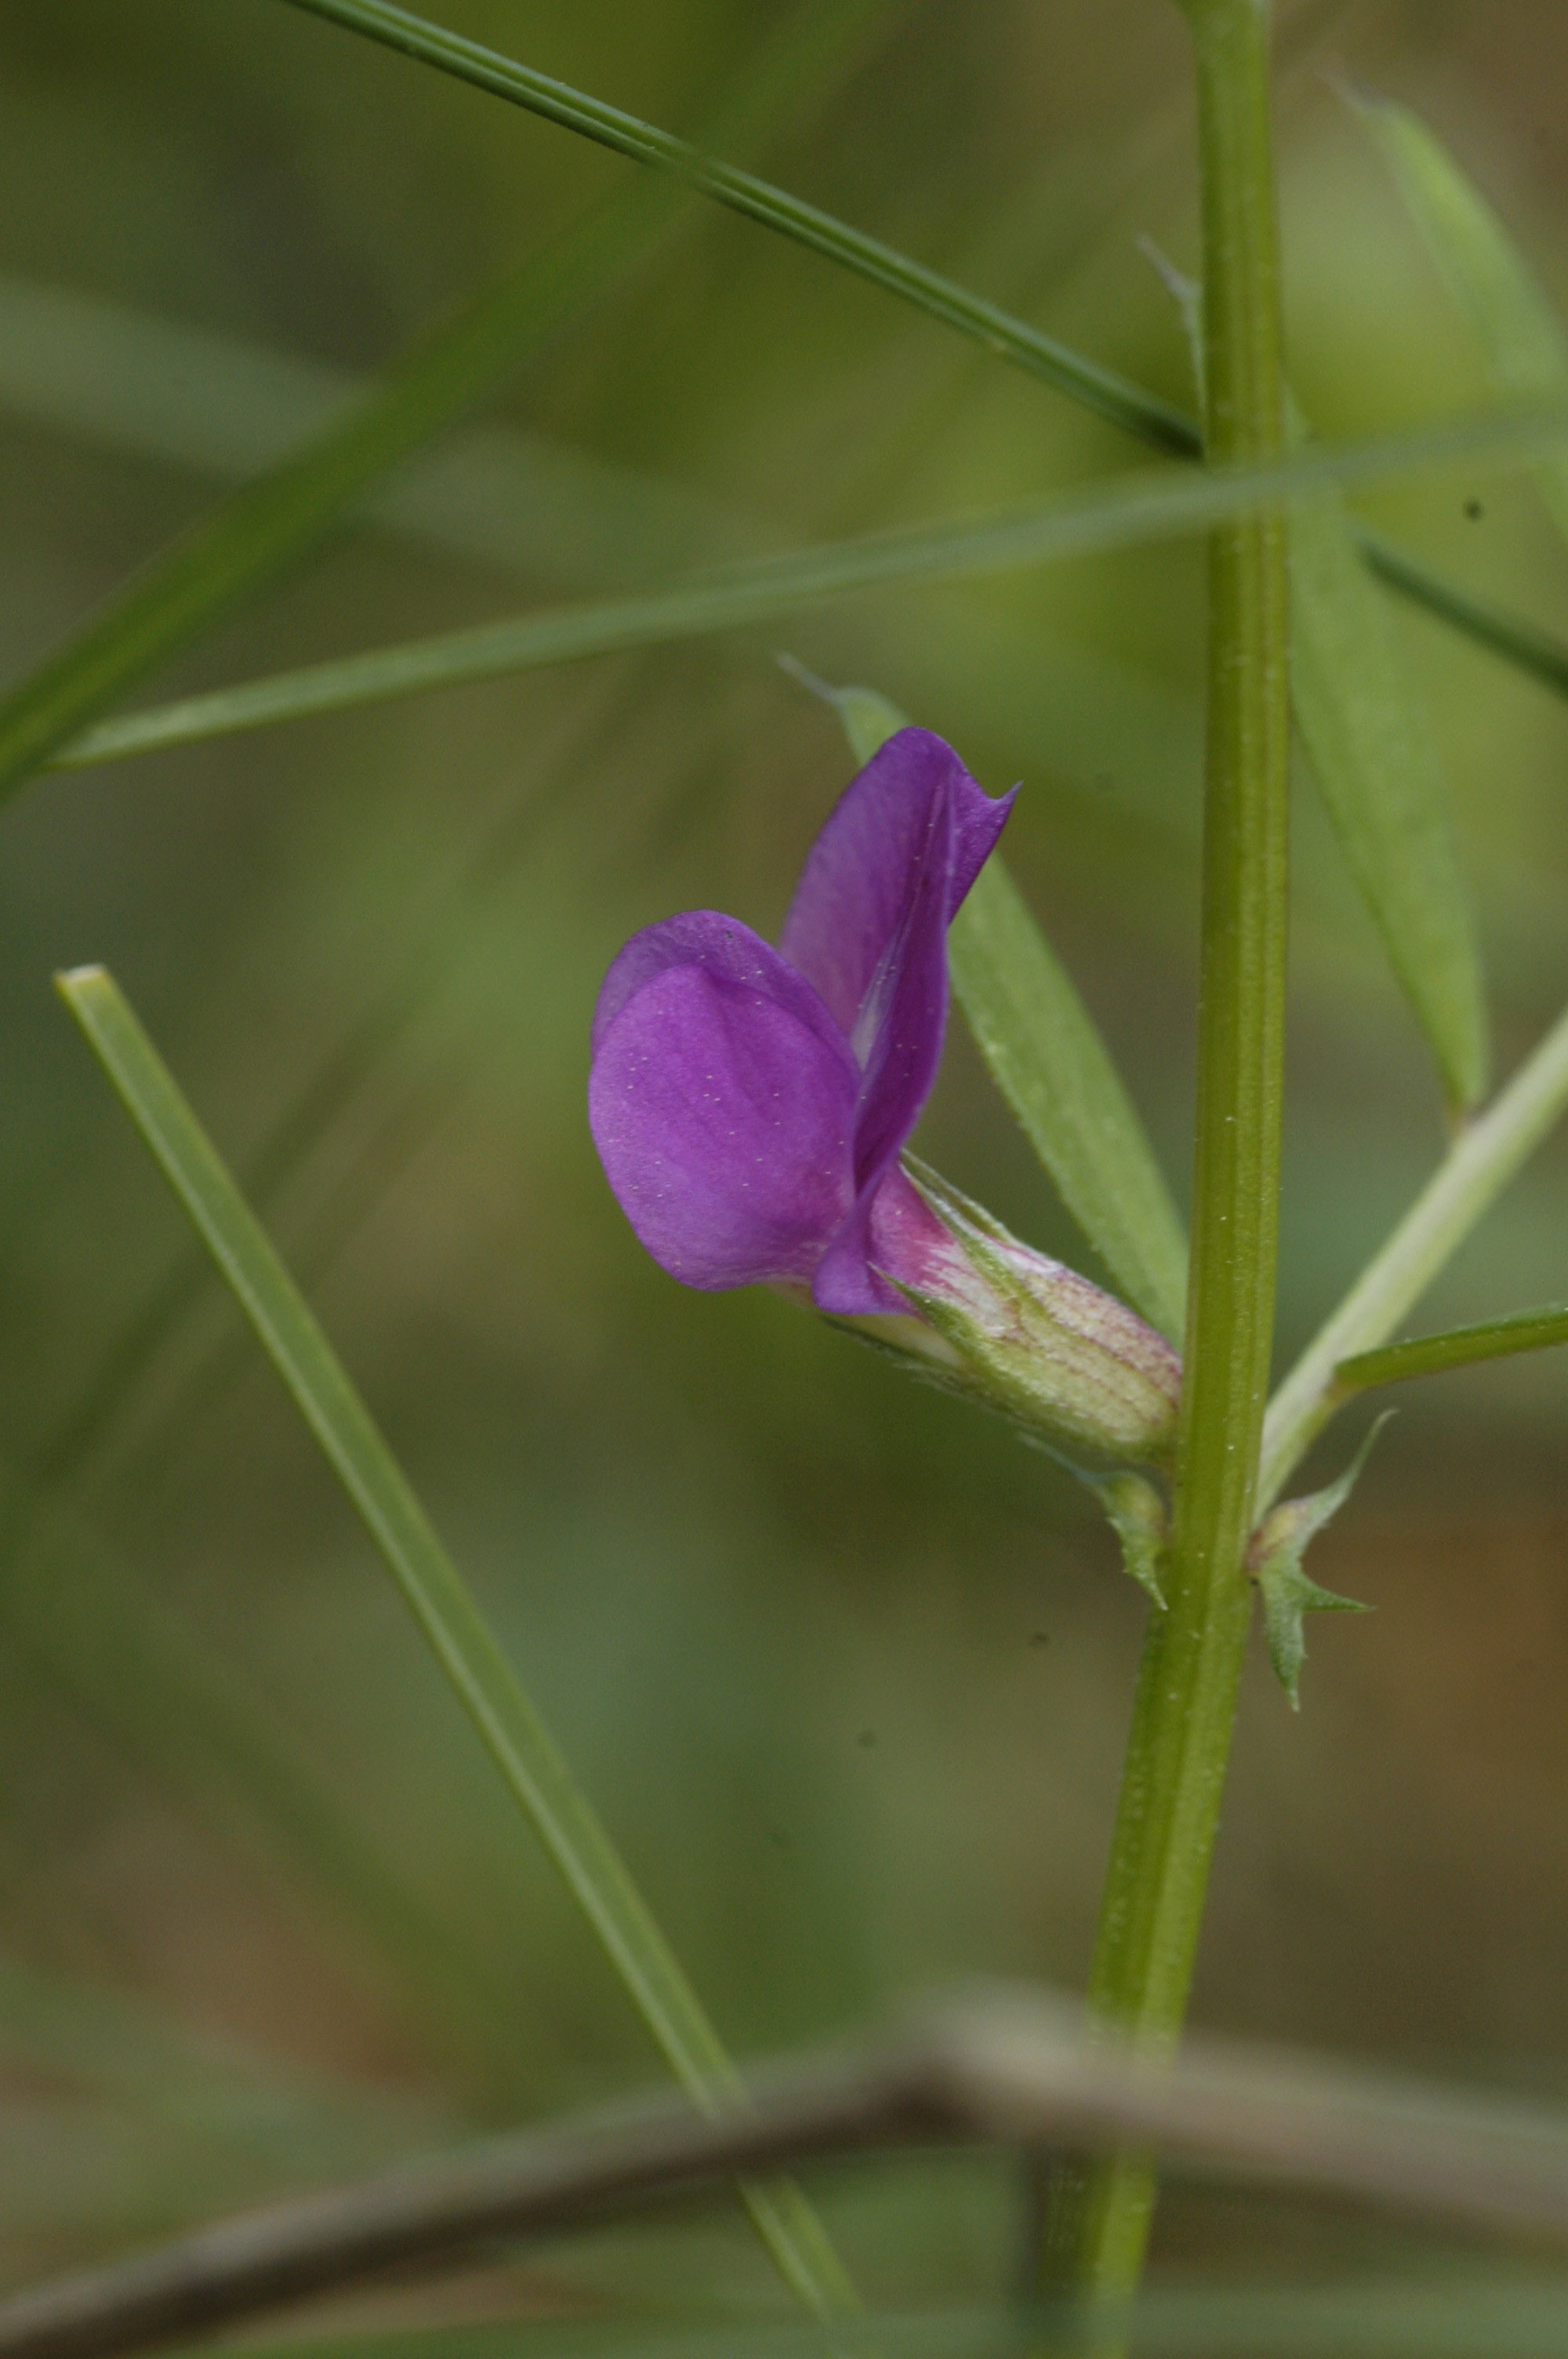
(251, 536)
(1046, 1057)
(1149, 504)
(498, 494)
(508, 1723)
(1524, 341)
(1101, 389)
(1455, 1347)
(367, 1066)
(1376, 764)
(260, 528)
(1541, 655)
(1378, 770)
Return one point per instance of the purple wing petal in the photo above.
(905, 1014)
(721, 1101)
(860, 875)
(889, 1234)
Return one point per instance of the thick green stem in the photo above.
(1186, 1697)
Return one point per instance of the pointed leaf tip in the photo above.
(1510, 313)
(869, 719)
(1274, 1562)
(1288, 1595)
(1136, 1513)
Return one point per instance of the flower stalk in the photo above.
(1184, 1709)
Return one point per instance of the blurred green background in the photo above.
(847, 1667)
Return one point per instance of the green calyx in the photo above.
(1041, 1343)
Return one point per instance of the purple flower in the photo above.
(750, 1105)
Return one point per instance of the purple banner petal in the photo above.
(855, 888)
(859, 876)
(978, 821)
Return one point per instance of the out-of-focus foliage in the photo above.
(845, 1667)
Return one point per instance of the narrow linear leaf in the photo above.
(1106, 394)
(1131, 510)
(1520, 335)
(1050, 1063)
(1541, 655)
(867, 717)
(250, 536)
(475, 2008)
(1047, 1058)
(97, 366)
(1101, 389)
(1455, 1347)
(509, 1725)
(500, 495)
(1377, 768)
(1374, 760)
(368, 1062)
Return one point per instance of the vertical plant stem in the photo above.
(1184, 1709)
